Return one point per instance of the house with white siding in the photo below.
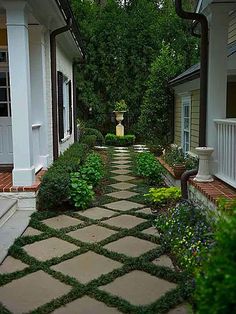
(220, 111)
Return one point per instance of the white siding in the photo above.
(232, 28)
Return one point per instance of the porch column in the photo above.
(217, 80)
(18, 49)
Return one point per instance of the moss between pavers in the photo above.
(143, 263)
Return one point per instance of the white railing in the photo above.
(226, 150)
(36, 145)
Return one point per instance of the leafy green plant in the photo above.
(216, 281)
(89, 140)
(113, 140)
(186, 230)
(90, 131)
(80, 192)
(147, 166)
(121, 106)
(174, 155)
(191, 162)
(163, 197)
(93, 170)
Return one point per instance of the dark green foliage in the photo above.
(147, 166)
(174, 155)
(113, 140)
(90, 140)
(80, 191)
(54, 189)
(99, 137)
(93, 170)
(217, 280)
(187, 231)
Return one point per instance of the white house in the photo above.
(39, 43)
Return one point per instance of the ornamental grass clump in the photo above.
(147, 166)
(186, 230)
(163, 198)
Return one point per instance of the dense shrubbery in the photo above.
(54, 189)
(113, 140)
(187, 232)
(216, 281)
(162, 198)
(80, 192)
(92, 171)
(89, 140)
(89, 131)
(147, 166)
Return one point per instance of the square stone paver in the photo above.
(165, 261)
(49, 248)
(86, 305)
(28, 293)
(121, 154)
(121, 166)
(97, 213)
(123, 205)
(121, 157)
(123, 185)
(123, 178)
(131, 246)
(121, 162)
(124, 221)
(147, 211)
(87, 266)
(121, 171)
(139, 288)
(31, 232)
(152, 231)
(91, 234)
(61, 221)
(11, 265)
(122, 194)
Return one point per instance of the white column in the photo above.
(38, 91)
(18, 48)
(217, 80)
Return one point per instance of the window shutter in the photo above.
(70, 107)
(60, 105)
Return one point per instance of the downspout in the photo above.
(53, 46)
(201, 18)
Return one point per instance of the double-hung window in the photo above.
(186, 123)
(5, 100)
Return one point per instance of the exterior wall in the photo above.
(65, 65)
(232, 28)
(178, 116)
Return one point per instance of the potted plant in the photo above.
(174, 156)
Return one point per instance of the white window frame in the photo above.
(66, 107)
(4, 68)
(186, 101)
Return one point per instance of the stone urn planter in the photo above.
(119, 118)
(203, 174)
(178, 170)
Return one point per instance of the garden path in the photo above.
(105, 259)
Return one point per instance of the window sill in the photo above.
(65, 139)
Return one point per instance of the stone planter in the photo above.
(203, 174)
(119, 118)
(179, 170)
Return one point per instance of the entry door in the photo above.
(6, 151)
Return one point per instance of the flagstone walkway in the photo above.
(103, 260)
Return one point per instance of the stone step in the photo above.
(7, 209)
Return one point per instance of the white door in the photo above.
(6, 151)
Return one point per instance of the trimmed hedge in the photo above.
(90, 131)
(54, 189)
(113, 140)
(90, 140)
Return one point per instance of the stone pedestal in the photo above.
(120, 130)
(203, 174)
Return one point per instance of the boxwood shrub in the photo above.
(90, 131)
(113, 140)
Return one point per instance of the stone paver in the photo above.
(91, 234)
(121, 166)
(49, 248)
(121, 171)
(122, 186)
(121, 154)
(121, 157)
(28, 293)
(131, 246)
(61, 221)
(10, 265)
(139, 288)
(121, 162)
(124, 221)
(87, 266)
(86, 305)
(145, 211)
(123, 205)
(31, 232)
(122, 194)
(152, 231)
(165, 261)
(124, 177)
(97, 213)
